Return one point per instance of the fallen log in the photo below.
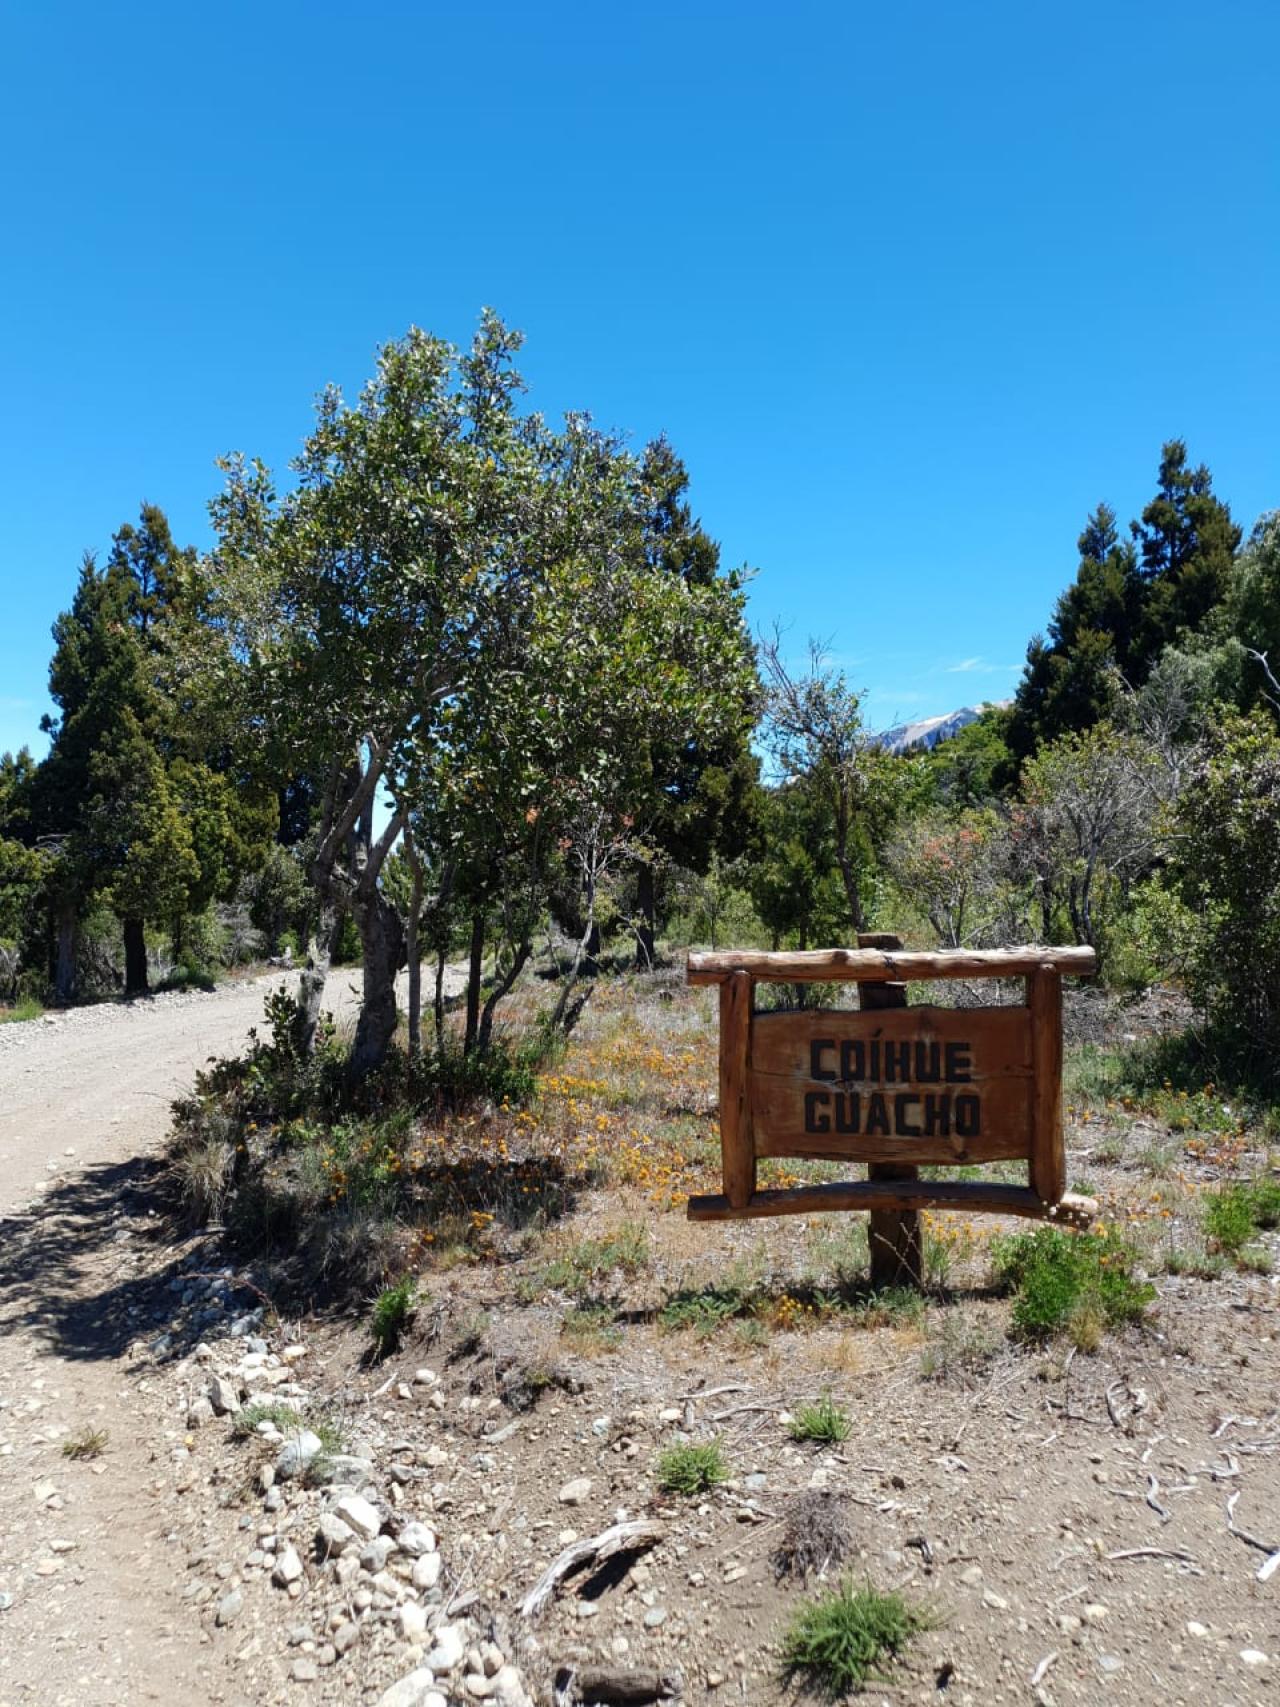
(633, 1537)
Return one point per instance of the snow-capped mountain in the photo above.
(930, 730)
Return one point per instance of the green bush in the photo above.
(691, 1470)
(838, 1642)
(393, 1311)
(1228, 1217)
(822, 1421)
(1075, 1283)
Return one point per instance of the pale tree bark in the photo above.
(412, 945)
(315, 972)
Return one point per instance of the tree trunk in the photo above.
(64, 972)
(315, 971)
(438, 1003)
(474, 971)
(415, 964)
(135, 958)
(646, 906)
(382, 949)
(500, 989)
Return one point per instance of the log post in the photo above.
(894, 1236)
(1048, 1147)
(737, 1148)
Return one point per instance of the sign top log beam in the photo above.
(876, 966)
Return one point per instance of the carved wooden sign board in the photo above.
(890, 1085)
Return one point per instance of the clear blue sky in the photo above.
(910, 287)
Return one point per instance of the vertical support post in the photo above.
(737, 1146)
(1048, 1147)
(895, 1236)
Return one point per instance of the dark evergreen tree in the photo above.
(1187, 542)
(701, 796)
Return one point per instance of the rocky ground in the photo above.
(271, 1517)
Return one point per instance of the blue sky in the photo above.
(910, 288)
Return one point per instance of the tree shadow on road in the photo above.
(89, 1270)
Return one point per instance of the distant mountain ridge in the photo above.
(929, 731)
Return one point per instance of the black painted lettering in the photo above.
(959, 1063)
(816, 1051)
(901, 1103)
(853, 1065)
(877, 1116)
(968, 1116)
(928, 1063)
(816, 1118)
(897, 1063)
(848, 1112)
(937, 1116)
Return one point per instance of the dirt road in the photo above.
(89, 1585)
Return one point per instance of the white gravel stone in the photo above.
(416, 1539)
(577, 1491)
(297, 1453)
(426, 1571)
(288, 1568)
(447, 1650)
(223, 1396)
(411, 1621)
(360, 1515)
(415, 1690)
(333, 1536)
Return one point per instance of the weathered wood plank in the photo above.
(737, 1152)
(970, 1195)
(998, 1041)
(1048, 1147)
(895, 1237)
(885, 1083)
(873, 965)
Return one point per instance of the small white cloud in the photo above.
(980, 667)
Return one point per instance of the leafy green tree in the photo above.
(1087, 829)
(697, 803)
(454, 605)
(814, 726)
(794, 876)
(977, 762)
(21, 867)
(1224, 863)
(131, 797)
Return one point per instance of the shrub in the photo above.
(691, 1470)
(1229, 1218)
(1077, 1283)
(838, 1642)
(393, 1311)
(1225, 865)
(823, 1421)
(817, 1533)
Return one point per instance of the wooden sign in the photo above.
(893, 1086)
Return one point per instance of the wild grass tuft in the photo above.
(691, 1470)
(822, 1421)
(838, 1642)
(85, 1443)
